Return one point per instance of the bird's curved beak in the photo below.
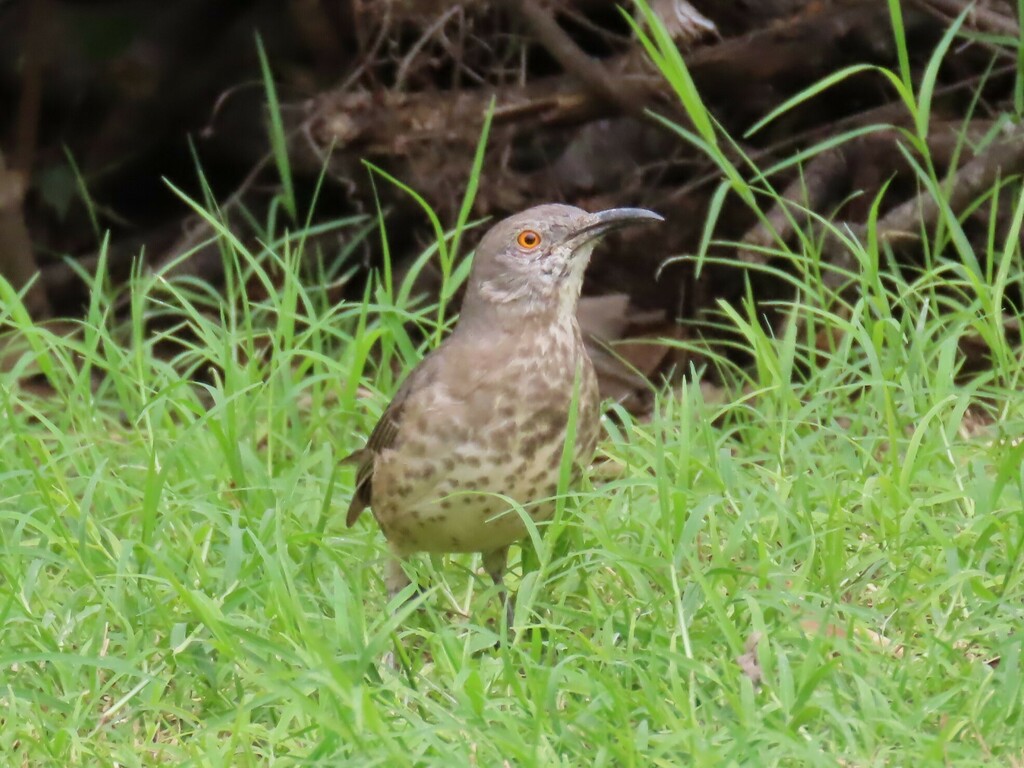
(614, 218)
(602, 222)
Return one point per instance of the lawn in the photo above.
(810, 553)
(823, 563)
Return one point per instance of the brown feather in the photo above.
(383, 437)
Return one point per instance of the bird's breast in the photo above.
(483, 439)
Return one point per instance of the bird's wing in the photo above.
(383, 437)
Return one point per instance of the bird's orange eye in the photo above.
(528, 239)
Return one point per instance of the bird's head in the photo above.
(533, 262)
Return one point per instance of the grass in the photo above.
(177, 585)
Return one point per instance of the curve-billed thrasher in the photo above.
(485, 414)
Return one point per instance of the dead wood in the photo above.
(390, 123)
(405, 84)
(599, 81)
(1003, 158)
(826, 179)
(17, 261)
(979, 16)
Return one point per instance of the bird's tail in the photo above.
(361, 496)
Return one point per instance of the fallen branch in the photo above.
(17, 262)
(826, 178)
(391, 123)
(979, 17)
(820, 182)
(599, 81)
(1002, 158)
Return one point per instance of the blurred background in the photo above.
(104, 104)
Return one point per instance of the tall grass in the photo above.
(177, 585)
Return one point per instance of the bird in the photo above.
(484, 417)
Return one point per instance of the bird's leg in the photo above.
(395, 580)
(395, 577)
(494, 564)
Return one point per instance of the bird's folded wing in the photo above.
(382, 438)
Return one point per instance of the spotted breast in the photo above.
(447, 484)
